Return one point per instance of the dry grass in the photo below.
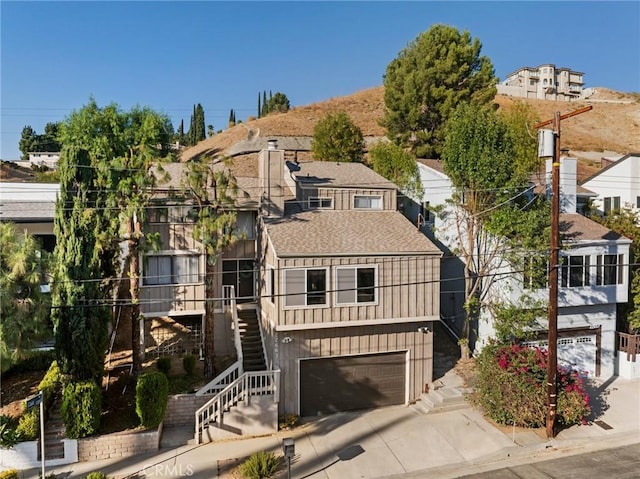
(612, 126)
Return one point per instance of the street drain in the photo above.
(603, 425)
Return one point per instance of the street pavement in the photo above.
(393, 442)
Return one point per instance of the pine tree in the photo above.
(212, 192)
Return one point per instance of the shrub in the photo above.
(9, 474)
(9, 436)
(260, 465)
(81, 408)
(164, 365)
(511, 388)
(29, 425)
(51, 384)
(152, 392)
(189, 364)
(288, 421)
(96, 475)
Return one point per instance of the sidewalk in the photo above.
(392, 442)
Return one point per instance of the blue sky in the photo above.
(170, 55)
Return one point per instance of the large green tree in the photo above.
(278, 103)
(80, 310)
(211, 188)
(119, 148)
(337, 138)
(397, 165)
(423, 85)
(24, 307)
(197, 130)
(493, 209)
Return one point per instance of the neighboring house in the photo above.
(348, 288)
(31, 206)
(617, 185)
(594, 278)
(44, 158)
(545, 82)
(172, 288)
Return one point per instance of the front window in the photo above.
(305, 287)
(168, 269)
(355, 285)
(575, 271)
(367, 202)
(609, 269)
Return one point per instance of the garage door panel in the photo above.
(329, 385)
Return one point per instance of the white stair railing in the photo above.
(250, 384)
(234, 371)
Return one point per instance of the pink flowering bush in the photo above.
(511, 388)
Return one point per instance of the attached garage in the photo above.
(576, 352)
(345, 383)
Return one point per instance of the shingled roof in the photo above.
(348, 232)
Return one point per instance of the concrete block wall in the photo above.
(181, 409)
(118, 445)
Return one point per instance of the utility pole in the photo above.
(554, 265)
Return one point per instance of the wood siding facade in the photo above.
(343, 197)
(347, 341)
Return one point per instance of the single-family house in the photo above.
(617, 185)
(348, 288)
(593, 278)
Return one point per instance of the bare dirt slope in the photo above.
(612, 126)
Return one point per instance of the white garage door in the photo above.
(577, 353)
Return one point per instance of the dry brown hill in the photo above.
(612, 126)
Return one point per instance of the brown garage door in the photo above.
(351, 382)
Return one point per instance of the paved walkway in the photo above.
(392, 442)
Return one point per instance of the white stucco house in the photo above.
(593, 276)
(617, 185)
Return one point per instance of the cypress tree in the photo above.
(259, 110)
(79, 314)
(264, 103)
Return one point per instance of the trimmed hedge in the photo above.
(81, 408)
(50, 385)
(29, 425)
(152, 393)
(9, 474)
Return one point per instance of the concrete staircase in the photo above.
(251, 339)
(446, 394)
(54, 433)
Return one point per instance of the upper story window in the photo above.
(305, 287)
(157, 214)
(637, 201)
(323, 202)
(575, 271)
(355, 284)
(609, 269)
(246, 225)
(611, 204)
(170, 269)
(367, 202)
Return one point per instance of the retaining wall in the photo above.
(119, 444)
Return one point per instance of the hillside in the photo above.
(612, 127)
